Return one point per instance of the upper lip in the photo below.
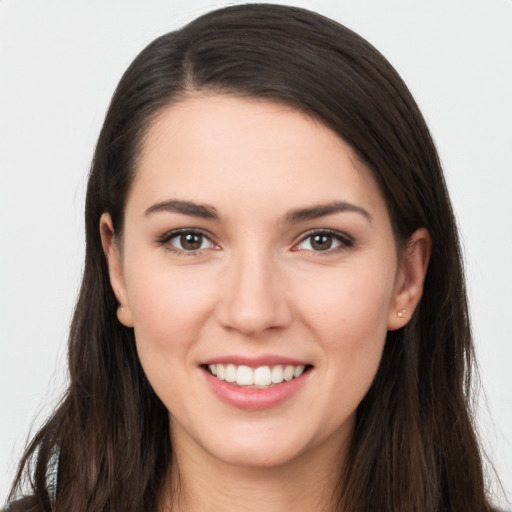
(255, 362)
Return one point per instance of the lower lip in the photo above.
(255, 399)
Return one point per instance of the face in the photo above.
(255, 247)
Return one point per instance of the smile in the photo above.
(258, 386)
(262, 377)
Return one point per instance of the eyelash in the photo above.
(167, 237)
(344, 241)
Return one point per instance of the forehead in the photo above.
(219, 147)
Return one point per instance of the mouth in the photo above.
(261, 377)
(259, 383)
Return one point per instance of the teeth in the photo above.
(277, 374)
(244, 376)
(298, 371)
(261, 377)
(288, 373)
(230, 373)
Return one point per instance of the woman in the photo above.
(273, 309)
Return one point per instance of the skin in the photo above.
(258, 286)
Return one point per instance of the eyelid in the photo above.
(346, 241)
(173, 233)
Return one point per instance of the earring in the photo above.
(401, 313)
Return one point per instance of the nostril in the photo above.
(251, 298)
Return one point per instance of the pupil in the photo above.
(321, 242)
(191, 241)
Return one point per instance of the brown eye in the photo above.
(185, 241)
(321, 242)
(191, 241)
(324, 241)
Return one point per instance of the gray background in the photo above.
(59, 64)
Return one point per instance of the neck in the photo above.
(203, 483)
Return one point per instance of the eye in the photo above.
(324, 241)
(186, 241)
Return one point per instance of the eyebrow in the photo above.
(322, 210)
(202, 211)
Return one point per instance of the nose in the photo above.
(252, 296)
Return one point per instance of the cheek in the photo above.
(169, 304)
(170, 307)
(351, 304)
(349, 319)
(348, 314)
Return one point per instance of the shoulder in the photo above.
(25, 504)
(33, 502)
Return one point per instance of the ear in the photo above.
(115, 269)
(410, 278)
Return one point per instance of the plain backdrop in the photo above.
(59, 64)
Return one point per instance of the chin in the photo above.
(257, 456)
(266, 446)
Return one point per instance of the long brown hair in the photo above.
(414, 446)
